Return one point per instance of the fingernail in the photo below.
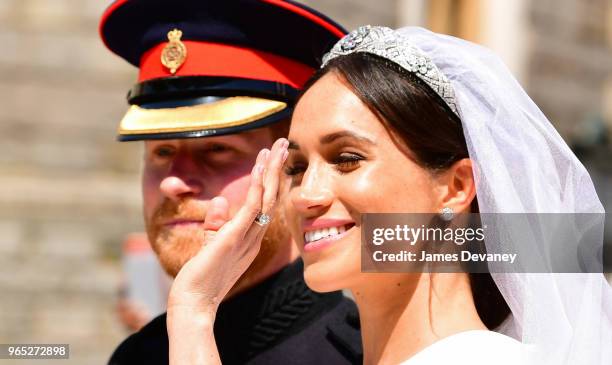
(260, 169)
(256, 170)
(260, 156)
(285, 155)
(266, 154)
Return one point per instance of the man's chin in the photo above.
(172, 261)
(174, 248)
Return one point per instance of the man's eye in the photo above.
(163, 152)
(218, 148)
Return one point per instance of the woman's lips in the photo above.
(323, 233)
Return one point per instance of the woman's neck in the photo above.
(401, 314)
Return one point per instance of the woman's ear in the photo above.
(458, 187)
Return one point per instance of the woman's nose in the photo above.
(313, 194)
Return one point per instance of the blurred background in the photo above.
(70, 194)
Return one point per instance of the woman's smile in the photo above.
(322, 232)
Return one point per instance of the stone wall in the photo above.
(570, 61)
(68, 191)
(353, 13)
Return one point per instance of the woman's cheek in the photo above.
(291, 218)
(361, 189)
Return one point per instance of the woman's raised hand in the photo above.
(230, 247)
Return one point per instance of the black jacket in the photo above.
(280, 321)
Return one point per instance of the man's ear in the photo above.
(457, 186)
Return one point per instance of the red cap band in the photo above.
(216, 59)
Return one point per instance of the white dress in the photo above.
(476, 347)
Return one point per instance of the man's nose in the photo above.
(183, 180)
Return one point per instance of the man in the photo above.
(217, 83)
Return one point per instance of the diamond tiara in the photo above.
(386, 43)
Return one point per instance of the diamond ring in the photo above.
(263, 219)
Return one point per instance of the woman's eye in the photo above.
(347, 161)
(293, 170)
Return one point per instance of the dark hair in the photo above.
(419, 119)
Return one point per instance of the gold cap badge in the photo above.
(175, 52)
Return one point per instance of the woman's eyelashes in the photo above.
(347, 161)
(343, 162)
(294, 168)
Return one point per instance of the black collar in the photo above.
(264, 315)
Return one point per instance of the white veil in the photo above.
(524, 166)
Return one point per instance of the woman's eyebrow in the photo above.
(329, 138)
(345, 134)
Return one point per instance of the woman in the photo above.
(369, 136)
(411, 121)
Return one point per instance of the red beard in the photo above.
(175, 245)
